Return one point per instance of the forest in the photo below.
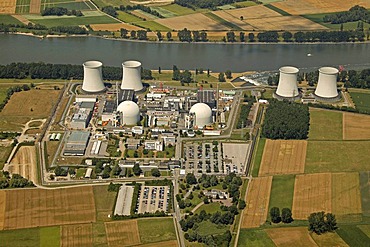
(356, 13)
(205, 4)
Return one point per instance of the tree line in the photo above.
(206, 4)
(112, 11)
(42, 30)
(14, 181)
(59, 11)
(356, 13)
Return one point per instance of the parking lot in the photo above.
(203, 157)
(153, 198)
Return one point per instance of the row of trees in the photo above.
(59, 11)
(139, 34)
(285, 216)
(356, 13)
(205, 4)
(144, 8)
(15, 181)
(243, 120)
(42, 30)
(286, 120)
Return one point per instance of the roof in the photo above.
(129, 108)
(126, 94)
(79, 136)
(206, 96)
(87, 105)
(110, 106)
(201, 109)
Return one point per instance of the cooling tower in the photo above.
(327, 84)
(287, 88)
(131, 77)
(93, 79)
(203, 114)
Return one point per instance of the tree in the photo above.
(169, 36)
(230, 36)
(159, 36)
(221, 77)
(136, 169)
(155, 172)
(116, 170)
(287, 36)
(124, 33)
(133, 34)
(141, 35)
(60, 171)
(317, 223)
(286, 215)
(228, 74)
(251, 37)
(205, 200)
(190, 179)
(176, 73)
(242, 204)
(185, 77)
(106, 171)
(331, 222)
(275, 214)
(242, 36)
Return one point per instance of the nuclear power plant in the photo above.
(93, 79)
(287, 88)
(130, 112)
(326, 89)
(200, 115)
(131, 76)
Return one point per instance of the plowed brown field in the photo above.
(35, 6)
(356, 126)
(122, 233)
(76, 235)
(290, 23)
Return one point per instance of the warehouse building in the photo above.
(76, 143)
(82, 117)
(207, 97)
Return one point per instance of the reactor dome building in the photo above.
(131, 76)
(287, 88)
(326, 89)
(201, 115)
(93, 79)
(129, 112)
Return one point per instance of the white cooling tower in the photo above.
(287, 87)
(203, 114)
(130, 112)
(327, 83)
(93, 79)
(131, 77)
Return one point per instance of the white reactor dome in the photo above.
(131, 76)
(287, 87)
(327, 83)
(203, 114)
(93, 78)
(130, 112)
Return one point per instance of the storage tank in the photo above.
(203, 114)
(287, 87)
(131, 76)
(327, 84)
(93, 79)
(130, 112)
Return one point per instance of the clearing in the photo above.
(283, 157)
(24, 163)
(122, 233)
(258, 197)
(291, 236)
(153, 230)
(325, 125)
(312, 193)
(76, 235)
(356, 126)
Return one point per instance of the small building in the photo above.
(132, 144)
(169, 140)
(85, 98)
(216, 194)
(138, 130)
(76, 143)
(81, 119)
(88, 173)
(153, 145)
(52, 137)
(58, 136)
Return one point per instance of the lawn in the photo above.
(362, 101)
(208, 228)
(255, 238)
(258, 157)
(8, 19)
(209, 208)
(282, 191)
(80, 173)
(156, 230)
(50, 236)
(104, 202)
(337, 156)
(325, 125)
(353, 236)
(32, 237)
(74, 21)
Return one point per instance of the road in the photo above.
(177, 214)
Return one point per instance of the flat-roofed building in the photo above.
(76, 143)
(207, 97)
(126, 94)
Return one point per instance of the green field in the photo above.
(156, 230)
(176, 10)
(365, 195)
(318, 18)
(361, 100)
(72, 5)
(325, 125)
(365, 229)
(4, 154)
(115, 3)
(32, 237)
(337, 156)
(255, 238)
(152, 25)
(282, 190)
(74, 21)
(104, 202)
(223, 22)
(353, 236)
(126, 17)
(258, 157)
(8, 19)
(210, 208)
(208, 228)
(244, 4)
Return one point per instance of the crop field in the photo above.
(291, 236)
(346, 198)
(365, 229)
(26, 208)
(76, 235)
(144, 15)
(73, 21)
(299, 7)
(191, 22)
(353, 235)
(282, 191)
(7, 19)
(68, 4)
(356, 126)
(337, 156)
(258, 198)
(24, 163)
(104, 202)
(176, 9)
(226, 23)
(33, 237)
(365, 195)
(2, 208)
(35, 6)
(283, 157)
(7, 6)
(254, 12)
(290, 23)
(361, 100)
(325, 125)
(170, 243)
(113, 27)
(156, 230)
(122, 233)
(329, 239)
(312, 193)
(318, 18)
(255, 238)
(127, 17)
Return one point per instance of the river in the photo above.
(216, 57)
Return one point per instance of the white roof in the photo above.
(202, 110)
(129, 108)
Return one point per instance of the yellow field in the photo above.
(312, 193)
(191, 22)
(254, 12)
(122, 233)
(224, 14)
(113, 27)
(291, 236)
(283, 157)
(356, 126)
(329, 239)
(289, 23)
(346, 197)
(76, 235)
(35, 6)
(24, 163)
(2, 208)
(299, 7)
(7, 6)
(258, 197)
(170, 243)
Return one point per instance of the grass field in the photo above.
(365, 195)
(104, 202)
(115, 3)
(353, 236)
(291, 237)
(152, 25)
(356, 126)
(156, 230)
(255, 238)
(210, 208)
(175, 9)
(244, 4)
(83, 5)
(282, 191)
(33, 237)
(318, 18)
(7, 19)
(361, 100)
(258, 157)
(74, 21)
(4, 154)
(76, 235)
(365, 229)
(328, 239)
(325, 125)
(208, 228)
(337, 156)
(127, 17)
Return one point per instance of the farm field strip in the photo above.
(356, 126)
(8, 6)
(329, 239)
(291, 236)
(353, 235)
(254, 12)
(122, 233)
(2, 208)
(325, 125)
(35, 6)
(255, 238)
(170, 243)
(24, 163)
(365, 192)
(258, 198)
(312, 193)
(76, 235)
(113, 27)
(282, 191)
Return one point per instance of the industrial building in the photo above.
(288, 87)
(207, 97)
(93, 78)
(129, 113)
(76, 143)
(131, 77)
(126, 94)
(326, 89)
(81, 119)
(199, 116)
